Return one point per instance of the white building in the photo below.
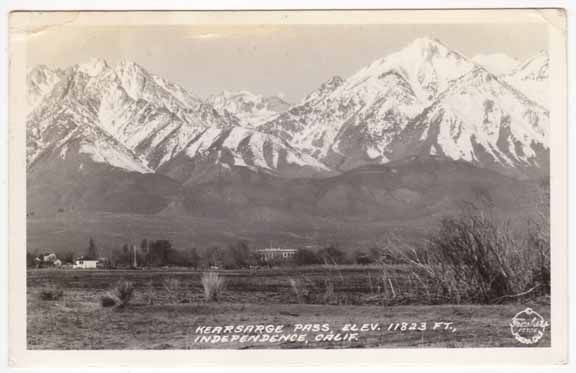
(275, 253)
(85, 263)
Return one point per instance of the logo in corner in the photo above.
(528, 326)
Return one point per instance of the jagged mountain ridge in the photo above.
(508, 132)
(358, 118)
(151, 118)
(365, 118)
(368, 118)
(39, 81)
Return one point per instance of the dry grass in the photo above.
(51, 293)
(213, 285)
(83, 325)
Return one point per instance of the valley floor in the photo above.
(78, 321)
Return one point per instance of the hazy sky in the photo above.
(289, 59)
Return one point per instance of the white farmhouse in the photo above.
(275, 253)
(85, 263)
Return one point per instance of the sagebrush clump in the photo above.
(213, 285)
(119, 296)
(51, 293)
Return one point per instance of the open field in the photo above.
(167, 317)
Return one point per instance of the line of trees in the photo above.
(334, 255)
(160, 253)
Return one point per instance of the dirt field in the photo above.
(176, 318)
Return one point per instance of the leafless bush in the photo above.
(124, 291)
(150, 293)
(538, 243)
(300, 290)
(107, 300)
(387, 287)
(478, 258)
(172, 287)
(51, 293)
(119, 296)
(329, 294)
(213, 285)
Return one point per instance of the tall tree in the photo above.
(133, 257)
(92, 251)
(192, 257)
(144, 252)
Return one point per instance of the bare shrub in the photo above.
(538, 246)
(300, 290)
(150, 293)
(172, 288)
(213, 285)
(108, 300)
(538, 243)
(329, 294)
(477, 258)
(121, 295)
(51, 293)
(387, 288)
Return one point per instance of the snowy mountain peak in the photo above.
(40, 81)
(427, 65)
(325, 88)
(93, 67)
(125, 65)
(427, 45)
(423, 99)
(39, 72)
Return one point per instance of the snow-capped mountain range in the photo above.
(424, 99)
(251, 109)
(145, 122)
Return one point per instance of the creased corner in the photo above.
(555, 18)
(32, 24)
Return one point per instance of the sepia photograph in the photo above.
(270, 180)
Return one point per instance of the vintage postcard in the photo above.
(326, 185)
